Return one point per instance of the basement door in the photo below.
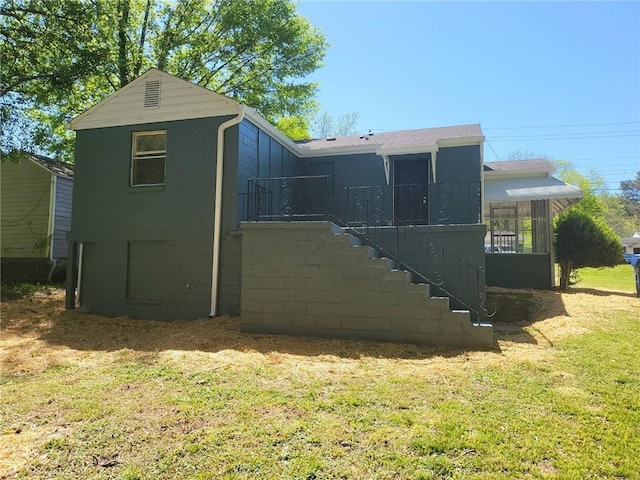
(411, 191)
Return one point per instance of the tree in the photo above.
(616, 210)
(617, 216)
(325, 126)
(630, 196)
(59, 57)
(295, 128)
(591, 186)
(584, 241)
(519, 154)
(38, 62)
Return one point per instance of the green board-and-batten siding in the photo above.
(258, 155)
(26, 205)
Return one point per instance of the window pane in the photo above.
(156, 142)
(148, 171)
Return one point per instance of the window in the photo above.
(148, 158)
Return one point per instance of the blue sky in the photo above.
(560, 79)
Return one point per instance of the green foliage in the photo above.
(591, 185)
(630, 197)
(296, 128)
(255, 51)
(584, 241)
(618, 216)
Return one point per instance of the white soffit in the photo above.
(175, 99)
(508, 190)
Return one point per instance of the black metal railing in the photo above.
(365, 212)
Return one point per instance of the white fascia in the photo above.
(406, 150)
(460, 142)
(349, 150)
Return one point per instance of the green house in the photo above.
(188, 204)
(36, 196)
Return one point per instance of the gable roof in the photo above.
(55, 167)
(155, 96)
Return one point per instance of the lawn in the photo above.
(91, 397)
(620, 278)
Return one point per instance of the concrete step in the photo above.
(354, 241)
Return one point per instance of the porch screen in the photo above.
(518, 227)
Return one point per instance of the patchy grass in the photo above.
(620, 278)
(91, 397)
(15, 291)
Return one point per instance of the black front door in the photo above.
(410, 190)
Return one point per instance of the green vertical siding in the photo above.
(353, 170)
(256, 155)
(458, 164)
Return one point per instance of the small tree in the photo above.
(630, 196)
(325, 125)
(583, 241)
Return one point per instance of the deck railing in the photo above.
(365, 212)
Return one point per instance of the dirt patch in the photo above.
(38, 333)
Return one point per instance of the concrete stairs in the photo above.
(312, 278)
(482, 331)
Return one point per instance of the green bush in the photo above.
(583, 241)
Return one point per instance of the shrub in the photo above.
(583, 241)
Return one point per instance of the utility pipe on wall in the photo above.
(217, 220)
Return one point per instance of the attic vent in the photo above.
(152, 94)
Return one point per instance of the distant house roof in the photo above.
(402, 141)
(56, 167)
(632, 241)
(520, 166)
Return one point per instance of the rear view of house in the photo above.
(36, 216)
(188, 204)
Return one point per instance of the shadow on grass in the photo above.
(45, 318)
(514, 333)
(599, 292)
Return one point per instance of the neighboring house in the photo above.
(520, 199)
(632, 244)
(188, 204)
(36, 216)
